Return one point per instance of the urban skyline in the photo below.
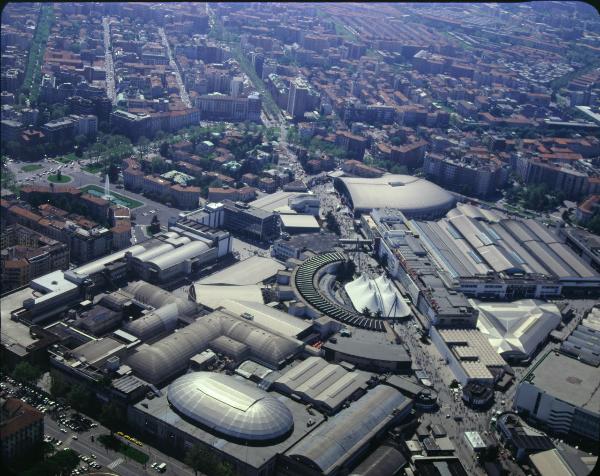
(300, 238)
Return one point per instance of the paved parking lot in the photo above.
(84, 439)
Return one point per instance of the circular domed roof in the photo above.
(230, 406)
(411, 195)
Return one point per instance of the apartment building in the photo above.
(298, 101)
(219, 107)
(244, 194)
(466, 174)
(21, 430)
(353, 145)
(27, 254)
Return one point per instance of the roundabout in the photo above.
(55, 178)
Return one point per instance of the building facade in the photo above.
(21, 430)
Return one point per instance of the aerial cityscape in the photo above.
(289, 239)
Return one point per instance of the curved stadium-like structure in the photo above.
(304, 282)
(230, 407)
(415, 197)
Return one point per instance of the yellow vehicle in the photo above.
(120, 433)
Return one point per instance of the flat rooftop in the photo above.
(278, 321)
(569, 380)
(97, 350)
(253, 270)
(273, 201)
(299, 221)
(15, 335)
(255, 456)
(369, 345)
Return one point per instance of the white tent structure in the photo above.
(515, 329)
(377, 295)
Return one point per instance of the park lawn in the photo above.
(134, 454)
(93, 168)
(67, 159)
(129, 451)
(31, 168)
(130, 202)
(56, 179)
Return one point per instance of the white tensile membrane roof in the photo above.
(377, 295)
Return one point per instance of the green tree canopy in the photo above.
(80, 398)
(164, 149)
(25, 372)
(201, 459)
(112, 416)
(155, 225)
(62, 463)
(594, 224)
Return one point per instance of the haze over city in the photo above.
(300, 239)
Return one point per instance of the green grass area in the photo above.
(119, 199)
(31, 168)
(33, 72)
(56, 179)
(67, 159)
(129, 451)
(94, 168)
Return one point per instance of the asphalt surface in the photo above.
(427, 358)
(175, 68)
(108, 62)
(112, 461)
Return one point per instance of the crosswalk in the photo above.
(115, 463)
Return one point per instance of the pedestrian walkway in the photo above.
(115, 463)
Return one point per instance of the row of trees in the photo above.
(33, 73)
(62, 463)
(83, 400)
(7, 178)
(201, 459)
(593, 224)
(109, 150)
(26, 372)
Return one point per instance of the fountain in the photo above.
(106, 189)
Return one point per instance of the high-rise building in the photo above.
(237, 85)
(298, 98)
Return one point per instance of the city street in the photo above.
(173, 64)
(111, 460)
(427, 358)
(110, 70)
